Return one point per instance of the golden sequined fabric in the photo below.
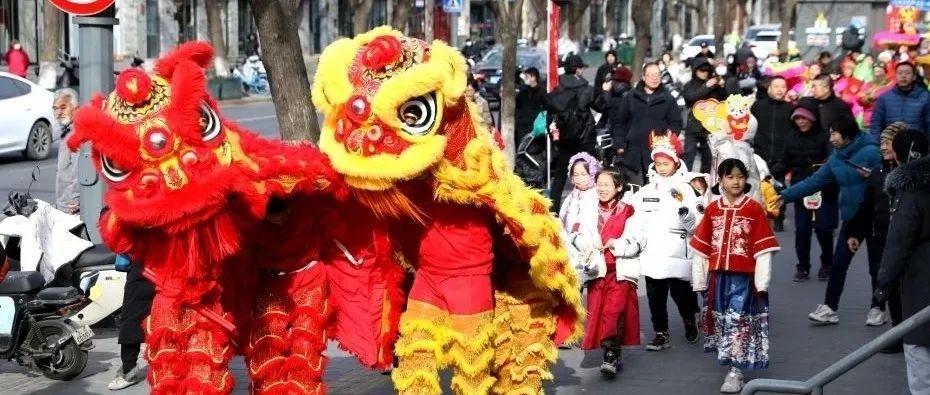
(126, 113)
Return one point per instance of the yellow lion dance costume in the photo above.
(493, 292)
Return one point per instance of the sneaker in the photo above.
(824, 315)
(824, 273)
(876, 317)
(660, 342)
(691, 332)
(611, 364)
(732, 383)
(801, 275)
(123, 380)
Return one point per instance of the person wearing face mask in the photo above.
(579, 220)
(907, 102)
(649, 106)
(17, 59)
(67, 190)
(704, 84)
(664, 217)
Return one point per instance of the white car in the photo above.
(25, 117)
(767, 41)
(693, 47)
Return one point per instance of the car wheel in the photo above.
(40, 141)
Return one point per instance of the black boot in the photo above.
(691, 332)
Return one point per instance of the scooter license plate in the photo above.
(83, 334)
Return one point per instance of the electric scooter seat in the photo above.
(21, 282)
(98, 255)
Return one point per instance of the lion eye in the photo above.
(110, 171)
(209, 123)
(418, 115)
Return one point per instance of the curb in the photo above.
(244, 101)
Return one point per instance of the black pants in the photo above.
(657, 291)
(803, 228)
(875, 251)
(842, 257)
(697, 143)
(137, 303)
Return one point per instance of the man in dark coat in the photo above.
(871, 224)
(606, 70)
(531, 100)
(908, 245)
(702, 86)
(824, 103)
(646, 108)
(774, 116)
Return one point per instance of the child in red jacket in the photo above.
(613, 306)
(733, 248)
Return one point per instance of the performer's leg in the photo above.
(187, 352)
(421, 347)
(471, 351)
(524, 321)
(288, 337)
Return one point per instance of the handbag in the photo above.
(813, 202)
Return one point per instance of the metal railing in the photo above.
(815, 384)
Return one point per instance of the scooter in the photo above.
(45, 323)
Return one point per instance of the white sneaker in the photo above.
(121, 381)
(876, 317)
(732, 383)
(824, 315)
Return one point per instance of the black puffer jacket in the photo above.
(803, 152)
(641, 113)
(874, 214)
(908, 243)
(774, 118)
(827, 111)
(613, 100)
(696, 90)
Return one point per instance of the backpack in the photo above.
(574, 123)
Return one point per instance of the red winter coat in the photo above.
(18, 61)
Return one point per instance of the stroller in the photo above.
(532, 162)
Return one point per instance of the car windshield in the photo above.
(494, 58)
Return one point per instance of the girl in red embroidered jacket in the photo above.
(733, 247)
(613, 306)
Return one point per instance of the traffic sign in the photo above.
(452, 6)
(82, 7)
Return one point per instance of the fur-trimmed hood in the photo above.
(910, 176)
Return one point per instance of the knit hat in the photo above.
(803, 113)
(893, 130)
(591, 164)
(909, 144)
(623, 74)
(665, 144)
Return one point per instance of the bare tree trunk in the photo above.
(360, 14)
(576, 11)
(51, 41)
(541, 20)
(703, 13)
(217, 36)
(674, 24)
(508, 17)
(610, 8)
(642, 20)
(429, 12)
(720, 15)
(400, 14)
(287, 73)
(787, 14)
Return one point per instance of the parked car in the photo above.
(488, 71)
(26, 117)
(753, 31)
(767, 41)
(693, 47)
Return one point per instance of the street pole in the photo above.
(453, 30)
(95, 42)
(429, 9)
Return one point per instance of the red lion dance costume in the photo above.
(493, 292)
(190, 197)
(188, 194)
